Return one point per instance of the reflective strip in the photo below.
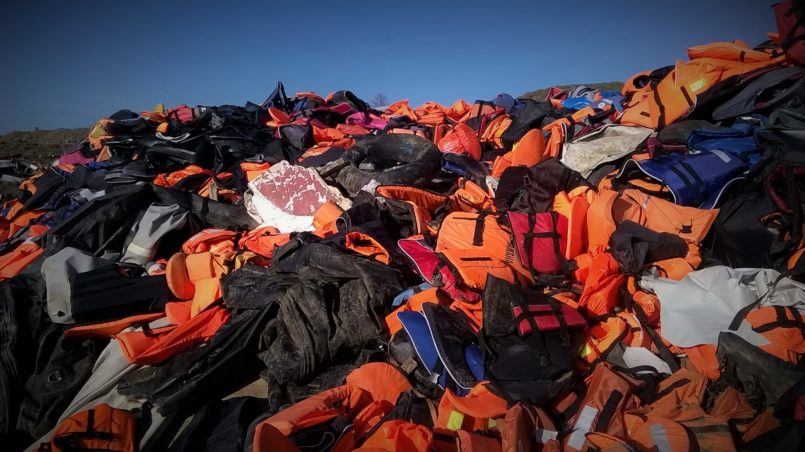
(542, 436)
(660, 438)
(455, 420)
(492, 424)
(154, 267)
(581, 427)
(721, 154)
(134, 248)
(747, 333)
(697, 85)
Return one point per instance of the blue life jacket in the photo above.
(422, 335)
(416, 326)
(576, 103)
(403, 296)
(696, 179)
(738, 140)
(454, 168)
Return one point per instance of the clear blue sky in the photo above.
(67, 63)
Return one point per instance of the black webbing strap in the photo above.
(530, 235)
(722, 428)
(528, 240)
(794, 204)
(478, 235)
(536, 335)
(663, 350)
(660, 106)
(607, 411)
(688, 99)
(90, 421)
(677, 384)
(563, 263)
(580, 392)
(741, 315)
(70, 441)
(783, 321)
(556, 309)
(790, 39)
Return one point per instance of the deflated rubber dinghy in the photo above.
(396, 159)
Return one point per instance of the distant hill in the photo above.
(539, 94)
(40, 145)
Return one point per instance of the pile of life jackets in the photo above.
(598, 270)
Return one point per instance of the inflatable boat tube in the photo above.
(394, 159)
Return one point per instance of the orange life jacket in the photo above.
(470, 197)
(601, 442)
(526, 427)
(157, 345)
(731, 406)
(691, 429)
(402, 131)
(170, 179)
(557, 133)
(20, 219)
(674, 96)
(476, 442)
(477, 244)
(602, 285)
(733, 51)
(574, 207)
(215, 240)
(478, 110)
(601, 409)
(278, 117)
(760, 424)
(109, 329)
(327, 135)
(479, 410)
(458, 110)
(263, 241)
(369, 393)
(703, 358)
(423, 204)
(399, 108)
(430, 113)
(610, 208)
(98, 428)
(529, 151)
(677, 391)
(325, 217)
(603, 336)
(783, 328)
(251, 170)
(414, 303)
(398, 435)
(15, 261)
(636, 83)
(461, 140)
(366, 245)
(495, 129)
